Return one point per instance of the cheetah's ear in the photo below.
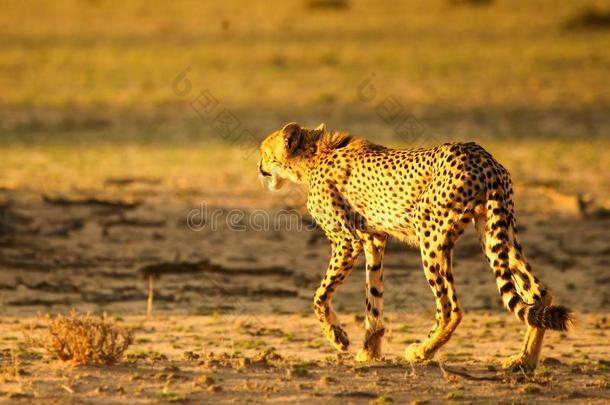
(292, 137)
(321, 127)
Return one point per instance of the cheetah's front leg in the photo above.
(343, 257)
(374, 246)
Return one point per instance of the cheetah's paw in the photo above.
(365, 355)
(414, 354)
(372, 346)
(338, 338)
(518, 362)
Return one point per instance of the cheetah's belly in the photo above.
(381, 216)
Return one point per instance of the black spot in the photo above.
(513, 302)
(507, 287)
(375, 267)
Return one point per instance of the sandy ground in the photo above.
(109, 173)
(284, 359)
(94, 250)
(232, 316)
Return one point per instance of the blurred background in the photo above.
(118, 119)
(97, 78)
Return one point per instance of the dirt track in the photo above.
(228, 292)
(284, 359)
(95, 252)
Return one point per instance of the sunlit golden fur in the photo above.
(277, 160)
(361, 193)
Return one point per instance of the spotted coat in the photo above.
(361, 193)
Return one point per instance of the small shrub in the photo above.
(82, 339)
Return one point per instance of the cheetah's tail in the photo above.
(497, 245)
(554, 317)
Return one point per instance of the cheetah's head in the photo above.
(283, 153)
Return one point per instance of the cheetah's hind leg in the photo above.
(437, 264)
(520, 290)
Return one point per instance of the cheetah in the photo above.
(361, 193)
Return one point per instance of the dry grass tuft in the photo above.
(12, 369)
(82, 339)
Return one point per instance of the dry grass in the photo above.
(81, 69)
(12, 369)
(82, 103)
(82, 339)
